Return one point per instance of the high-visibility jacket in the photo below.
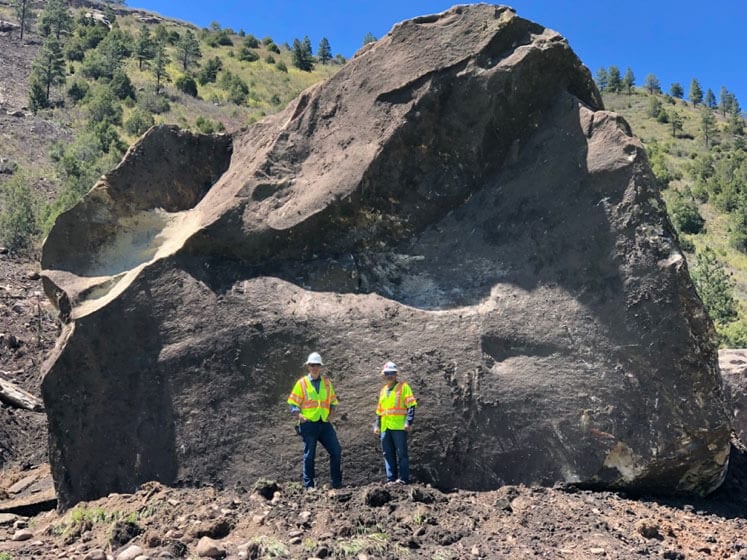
(314, 405)
(393, 407)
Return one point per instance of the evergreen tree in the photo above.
(144, 46)
(188, 50)
(710, 99)
(676, 120)
(628, 81)
(160, 61)
(707, 124)
(369, 38)
(724, 101)
(615, 81)
(24, 13)
(602, 79)
(696, 93)
(324, 53)
(676, 90)
(652, 84)
(301, 54)
(48, 68)
(735, 123)
(55, 19)
(714, 286)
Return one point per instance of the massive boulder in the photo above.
(455, 199)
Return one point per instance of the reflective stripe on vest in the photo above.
(398, 409)
(310, 406)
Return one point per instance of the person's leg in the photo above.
(328, 438)
(399, 437)
(390, 455)
(310, 434)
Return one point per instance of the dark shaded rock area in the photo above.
(455, 199)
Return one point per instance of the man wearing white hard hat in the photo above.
(313, 401)
(395, 415)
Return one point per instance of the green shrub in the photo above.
(272, 47)
(77, 90)
(121, 85)
(247, 55)
(733, 335)
(138, 122)
(152, 102)
(269, 59)
(187, 85)
(209, 71)
(19, 211)
(251, 42)
(685, 215)
(281, 66)
(207, 126)
(715, 287)
(237, 89)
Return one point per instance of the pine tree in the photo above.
(24, 13)
(188, 50)
(676, 120)
(652, 84)
(707, 124)
(602, 79)
(676, 90)
(55, 18)
(615, 81)
(714, 286)
(48, 68)
(696, 93)
(369, 38)
(160, 61)
(710, 99)
(301, 53)
(324, 53)
(144, 47)
(628, 80)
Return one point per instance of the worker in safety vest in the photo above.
(313, 402)
(395, 415)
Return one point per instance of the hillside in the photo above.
(704, 184)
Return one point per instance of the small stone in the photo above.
(95, 554)
(7, 518)
(32, 275)
(475, 551)
(22, 535)
(130, 553)
(304, 517)
(295, 533)
(208, 548)
(295, 540)
(597, 551)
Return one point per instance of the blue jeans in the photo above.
(324, 433)
(394, 446)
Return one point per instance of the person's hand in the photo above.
(407, 427)
(377, 431)
(301, 418)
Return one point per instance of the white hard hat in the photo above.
(314, 358)
(389, 367)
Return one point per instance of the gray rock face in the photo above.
(454, 199)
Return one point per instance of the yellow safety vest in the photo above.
(393, 407)
(314, 405)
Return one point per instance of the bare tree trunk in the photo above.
(17, 397)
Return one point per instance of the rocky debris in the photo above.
(550, 523)
(455, 198)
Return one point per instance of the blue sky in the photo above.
(676, 40)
